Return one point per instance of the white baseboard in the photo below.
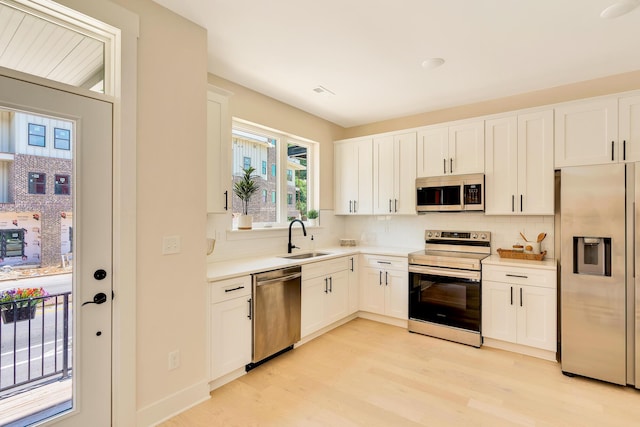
(225, 379)
(522, 349)
(170, 406)
(402, 323)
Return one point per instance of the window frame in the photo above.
(283, 140)
(29, 183)
(57, 185)
(43, 136)
(56, 139)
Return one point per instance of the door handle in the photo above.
(451, 165)
(613, 144)
(330, 284)
(396, 205)
(226, 200)
(250, 309)
(351, 263)
(386, 278)
(521, 203)
(99, 298)
(390, 206)
(513, 203)
(624, 149)
(380, 277)
(444, 165)
(520, 297)
(350, 203)
(326, 287)
(511, 295)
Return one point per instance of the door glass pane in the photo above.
(36, 267)
(43, 48)
(297, 156)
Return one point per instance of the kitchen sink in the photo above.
(306, 255)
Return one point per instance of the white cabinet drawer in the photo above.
(324, 268)
(520, 276)
(385, 262)
(224, 290)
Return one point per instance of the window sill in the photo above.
(266, 232)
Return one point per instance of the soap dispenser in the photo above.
(313, 244)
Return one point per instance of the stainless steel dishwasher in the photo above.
(276, 313)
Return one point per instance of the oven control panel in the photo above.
(460, 236)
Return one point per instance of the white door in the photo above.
(91, 195)
(383, 175)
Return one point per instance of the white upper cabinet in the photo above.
(586, 133)
(218, 153)
(451, 150)
(519, 170)
(353, 171)
(394, 174)
(598, 131)
(629, 131)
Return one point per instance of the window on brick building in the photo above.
(37, 135)
(62, 185)
(37, 183)
(61, 139)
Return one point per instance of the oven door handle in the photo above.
(446, 272)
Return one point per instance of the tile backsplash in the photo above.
(408, 231)
(394, 231)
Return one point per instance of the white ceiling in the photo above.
(369, 52)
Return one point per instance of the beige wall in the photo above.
(171, 174)
(258, 108)
(586, 89)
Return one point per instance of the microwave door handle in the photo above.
(462, 196)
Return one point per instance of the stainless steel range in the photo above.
(444, 285)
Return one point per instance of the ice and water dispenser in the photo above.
(592, 255)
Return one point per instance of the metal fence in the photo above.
(35, 338)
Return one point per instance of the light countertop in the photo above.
(242, 266)
(545, 264)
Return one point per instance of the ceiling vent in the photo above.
(322, 90)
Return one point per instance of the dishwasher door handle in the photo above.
(278, 279)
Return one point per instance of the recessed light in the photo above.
(619, 8)
(431, 63)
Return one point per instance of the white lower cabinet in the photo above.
(325, 294)
(384, 288)
(230, 325)
(519, 306)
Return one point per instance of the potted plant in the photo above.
(312, 216)
(20, 304)
(244, 189)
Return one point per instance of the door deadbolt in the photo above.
(99, 274)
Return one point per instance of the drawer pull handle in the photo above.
(234, 289)
(384, 262)
(517, 275)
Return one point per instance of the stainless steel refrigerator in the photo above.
(599, 312)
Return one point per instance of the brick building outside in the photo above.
(35, 189)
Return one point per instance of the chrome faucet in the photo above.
(304, 230)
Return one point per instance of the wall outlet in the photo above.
(170, 245)
(174, 360)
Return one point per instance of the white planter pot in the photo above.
(245, 222)
(312, 221)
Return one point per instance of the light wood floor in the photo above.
(370, 374)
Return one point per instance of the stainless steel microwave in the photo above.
(450, 193)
